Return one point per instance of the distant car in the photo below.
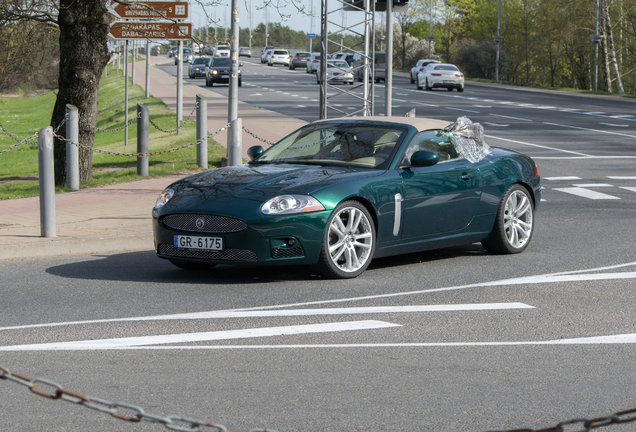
(279, 56)
(245, 51)
(188, 55)
(299, 60)
(172, 51)
(266, 56)
(443, 75)
(419, 67)
(379, 68)
(348, 57)
(338, 193)
(221, 52)
(264, 53)
(198, 67)
(313, 62)
(219, 72)
(338, 71)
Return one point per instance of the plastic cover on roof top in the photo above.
(469, 139)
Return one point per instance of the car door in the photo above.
(441, 198)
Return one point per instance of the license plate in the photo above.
(201, 243)
(449, 82)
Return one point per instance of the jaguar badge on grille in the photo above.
(200, 222)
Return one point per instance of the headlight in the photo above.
(164, 198)
(214, 72)
(290, 204)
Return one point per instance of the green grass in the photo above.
(569, 89)
(23, 117)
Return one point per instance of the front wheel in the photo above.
(514, 223)
(348, 242)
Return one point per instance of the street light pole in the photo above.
(498, 38)
(430, 37)
(596, 38)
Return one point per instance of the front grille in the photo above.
(212, 224)
(292, 252)
(224, 255)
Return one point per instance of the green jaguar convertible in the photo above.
(337, 193)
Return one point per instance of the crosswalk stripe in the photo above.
(586, 193)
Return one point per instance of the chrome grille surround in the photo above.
(213, 224)
(224, 255)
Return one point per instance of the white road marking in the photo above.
(629, 188)
(101, 344)
(538, 146)
(496, 125)
(620, 116)
(583, 185)
(592, 130)
(622, 177)
(462, 109)
(586, 193)
(614, 125)
(301, 106)
(257, 94)
(563, 178)
(514, 118)
(226, 314)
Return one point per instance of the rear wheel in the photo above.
(450, 89)
(514, 223)
(460, 89)
(427, 86)
(348, 242)
(412, 80)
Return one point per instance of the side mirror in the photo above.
(423, 158)
(255, 151)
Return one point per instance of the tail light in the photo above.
(296, 58)
(436, 74)
(536, 170)
(459, 75)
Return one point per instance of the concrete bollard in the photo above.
(142, 139)
(72, 151)
(47, 182)
(202, 131)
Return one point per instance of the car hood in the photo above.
(259, 183)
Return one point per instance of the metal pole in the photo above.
(324, 41)
(118, 55)
(233, 134)
(142, 139)
(202, 131)
(47, 182)
(180, 87)
(147, 68)
(596, 40)
(311, 23)
(237, 144)
(134, 57)
(388, 74)
(126, 97)
(498, 40)
(72, 150)
(366, 106)
(430, 31)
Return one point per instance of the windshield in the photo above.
(187, 51)
(327, 143)
(447, 67)
(200, 60)
(339, 64)
(221, 61)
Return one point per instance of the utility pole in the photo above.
(497, 38)
(234, 146)
(596, 38)
(388, 74)
(430, 37)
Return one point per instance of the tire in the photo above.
(412, 80)
(427, 86)
(291, 67)
(240, 83)
(460, 89)
(348, 242)
(207, 82)
(187, 265)
(514, 223)
(449, 89)
(419, 87)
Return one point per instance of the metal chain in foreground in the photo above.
(26, 140)
(257, 137)
(172, 150)
(134, 120)
(131, 413)
(616, 418)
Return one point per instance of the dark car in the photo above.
(219, 72)
(299, 60)
(199, 66)
(337, 193)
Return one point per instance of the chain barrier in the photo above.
(55, 391)
(29, 140)
(172, 150)
(133, 121)
(183, 122)
(588, 424)
(257, 137)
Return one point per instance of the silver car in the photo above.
(313, 62)
(338, 71)
(279, 56)
(441, 75)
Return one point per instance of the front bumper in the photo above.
(262, 240)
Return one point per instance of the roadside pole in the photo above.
(180, 87)
(47, 182)
(388, 74)
(202, 131)
(147, 68)
(126, 96)
(133, 58)
(234, 148)
(142, 140)
(72, 150)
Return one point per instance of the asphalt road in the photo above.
(448, 340)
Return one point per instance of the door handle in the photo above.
(467, 176)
